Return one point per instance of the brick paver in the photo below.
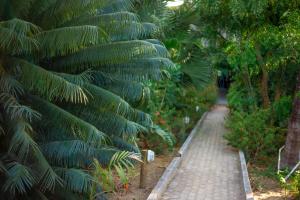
(210, 170)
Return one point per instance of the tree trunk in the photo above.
(277, 92)
(247, 81)
(265, 88)
(264, 79)
(292, 145)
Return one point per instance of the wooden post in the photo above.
(143, 169)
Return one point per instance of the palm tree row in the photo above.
(70, 71)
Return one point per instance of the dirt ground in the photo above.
(271, 190)
(154, 171)
(267, 188)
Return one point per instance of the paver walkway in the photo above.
(210, 170)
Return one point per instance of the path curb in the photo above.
(170, 171)
(188, 141)
(245, 175)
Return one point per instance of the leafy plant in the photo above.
(71, 72)
(253, 133)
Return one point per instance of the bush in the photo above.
(253, 133)
(282, 109)
(171, 101)
(239, 99)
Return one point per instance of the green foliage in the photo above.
(119, 166)
(72, 74)
(239, 98)
(253, 133)
(172, 100)
(282, 109)
(292, 184)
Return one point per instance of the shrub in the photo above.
(282, 109)
(171, 101)
(239, 99)
(253, 133)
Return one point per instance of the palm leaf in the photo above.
(113, 103)
(10, 85)
(117, 18)
(20, 27)
(76, 180)
(131, 91)
(78, 79)
(68, 122)
(21, 142)
(114, 53)
(124, 159)
(48, 84)
(15, 44)
(20, 178)
(62, 41)
(15, 110)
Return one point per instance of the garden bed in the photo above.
(266, 185)
(154, 171)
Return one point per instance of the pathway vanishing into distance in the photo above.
(210, 170)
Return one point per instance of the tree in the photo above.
(292, 145)
(68, 70)
(260, 42)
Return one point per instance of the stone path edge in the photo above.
(245, 175)
(169, 173)
(189, 139)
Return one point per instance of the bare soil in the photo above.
(267, 188)
(154, 171)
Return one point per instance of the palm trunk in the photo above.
(292, 145)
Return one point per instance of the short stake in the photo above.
(143, 173)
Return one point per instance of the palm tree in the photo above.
(186, 36)
(69, 72)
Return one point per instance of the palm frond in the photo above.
(139, 69)
(124, 159)
(131, 91)
(10, 85)
(117, 18)
(66, 40)
(68, 122)
(76, 180)
(21, 142)
(68, 152)
(167, 137)
(117, 6)
(200, 72)
(114, 53)
(20, 27)
(111, 124)
(16, 44)
(155, 41)
(78, 79)
(15, 110)
(63, 11)
(124, 145)
(47, 178)
(111, 102)
(20, 178)
(129, 30)
(48, 84)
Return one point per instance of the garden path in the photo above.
(210, 169)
